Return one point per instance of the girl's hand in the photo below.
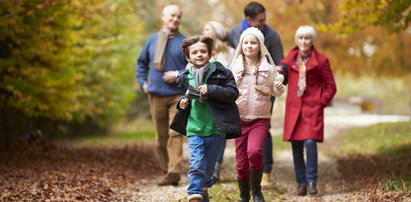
(279, 86)
(203, 89)
(279, 69)
(184, 103)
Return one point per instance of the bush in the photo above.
(67, 61)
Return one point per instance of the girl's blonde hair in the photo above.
(220, 44)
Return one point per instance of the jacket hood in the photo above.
(263, 49)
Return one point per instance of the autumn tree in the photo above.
(37, 75)
(394, 15)
(383, 26)
(65, 61)
(371, 50)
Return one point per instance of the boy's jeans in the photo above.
(203, 156)
(305, 171)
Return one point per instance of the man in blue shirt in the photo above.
(160, 61)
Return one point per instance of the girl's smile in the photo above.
(198, 54)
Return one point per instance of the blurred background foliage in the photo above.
(68, 67)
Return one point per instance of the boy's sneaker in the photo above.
(195, 198)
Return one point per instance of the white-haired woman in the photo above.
(311, 87)
(257, 80)
(223, 53)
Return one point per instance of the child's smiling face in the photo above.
(198, 54)
(250, 46)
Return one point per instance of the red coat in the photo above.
(304, 116)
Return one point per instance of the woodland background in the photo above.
(67, 68)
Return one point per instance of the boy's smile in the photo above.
(198, 54)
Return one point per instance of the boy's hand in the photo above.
(203, 89)
(184, 103)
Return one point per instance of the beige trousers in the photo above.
(169, 142)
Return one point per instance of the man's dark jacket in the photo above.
(222, 93)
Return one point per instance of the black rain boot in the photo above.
(255, 179)
(302, 190)
(244, 186)
(312, 188)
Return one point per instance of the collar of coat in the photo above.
(184, 75)
(238, 66)
(291, 59)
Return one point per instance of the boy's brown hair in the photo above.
(194, 39)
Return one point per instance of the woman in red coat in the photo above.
(311, 87)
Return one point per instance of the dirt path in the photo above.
(331, 186)
(59, 170)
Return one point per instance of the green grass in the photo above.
(137, 130)
(385, 141)
(381, 139)
(389, 96)
(279, 144)
(103, 140)
(398, 184)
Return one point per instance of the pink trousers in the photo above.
(248, 147)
